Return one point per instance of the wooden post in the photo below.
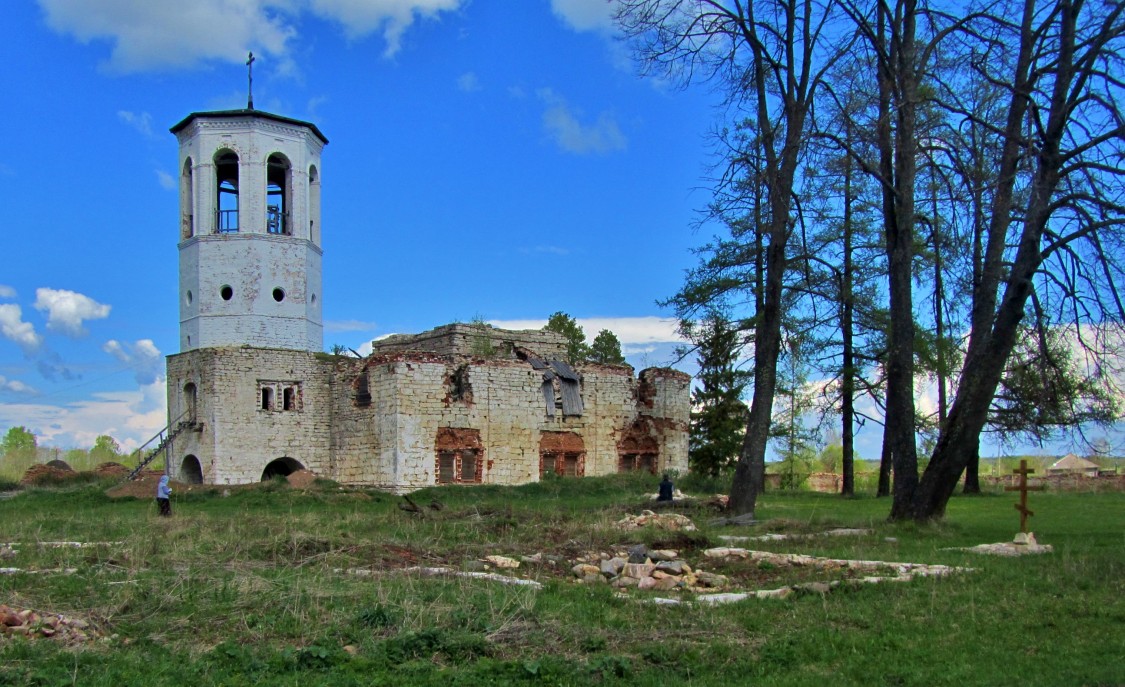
(1023, 488)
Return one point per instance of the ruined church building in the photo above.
(251, 395)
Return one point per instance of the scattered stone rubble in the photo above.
(647, 518)
(36, 624)
(643, 568)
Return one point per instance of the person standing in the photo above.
(163, 497)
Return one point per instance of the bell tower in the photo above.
(249, 235)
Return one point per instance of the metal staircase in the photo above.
(160, 443)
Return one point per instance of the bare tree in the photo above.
(1056, 209)
(771, 56)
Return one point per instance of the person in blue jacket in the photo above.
(163, 497)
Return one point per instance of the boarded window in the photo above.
(460, 456)
(447, 461)
(570, 464)
(638, 451)
(468, 465)
(561, 453)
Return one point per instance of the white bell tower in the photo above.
(249, 238)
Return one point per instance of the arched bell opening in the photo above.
(282, 467)
(314, 205)
(226, 190)
(279, 195)
(187, 201)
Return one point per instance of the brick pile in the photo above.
(40, 625)
(111, 469)
(38, 474)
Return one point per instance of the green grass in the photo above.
(241, 589)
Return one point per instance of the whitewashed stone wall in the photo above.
(387, 437)
(236, 438)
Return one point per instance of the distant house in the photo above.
(1071, 464)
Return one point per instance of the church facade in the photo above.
(251, 395)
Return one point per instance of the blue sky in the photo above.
(494, 160)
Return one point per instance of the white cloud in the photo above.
(468, 82)
(7, 291)
(564, 126)
(630, 331)
(585, 15)
(167, 181)
(155, 36)
(360, 17)
(131, 417)
(142, 356)
(13, 328)
(15, 386)
(159, 36)
(141, 122)
(67, 310)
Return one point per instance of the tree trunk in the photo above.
(885, 460)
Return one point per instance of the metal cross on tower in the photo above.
(250, 82)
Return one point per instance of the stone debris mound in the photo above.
(647, 518)
(144, 486)
(111, 469)
(39, 625)
(38, 474)
(301, 479)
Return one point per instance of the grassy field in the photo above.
(250, 588)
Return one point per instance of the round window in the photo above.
(226, 292)
(279, 294)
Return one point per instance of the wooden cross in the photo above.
(1023, 488)
(250, 82)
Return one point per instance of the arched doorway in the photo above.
(191, 472)
(282, 467)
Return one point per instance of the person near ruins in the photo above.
(666, 489)
(163, 497)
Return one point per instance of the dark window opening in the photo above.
(226, 293)
(287, 399)
(226, 182)
(267, 398)
(279, 294)
(278, 183)
(362, 392)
